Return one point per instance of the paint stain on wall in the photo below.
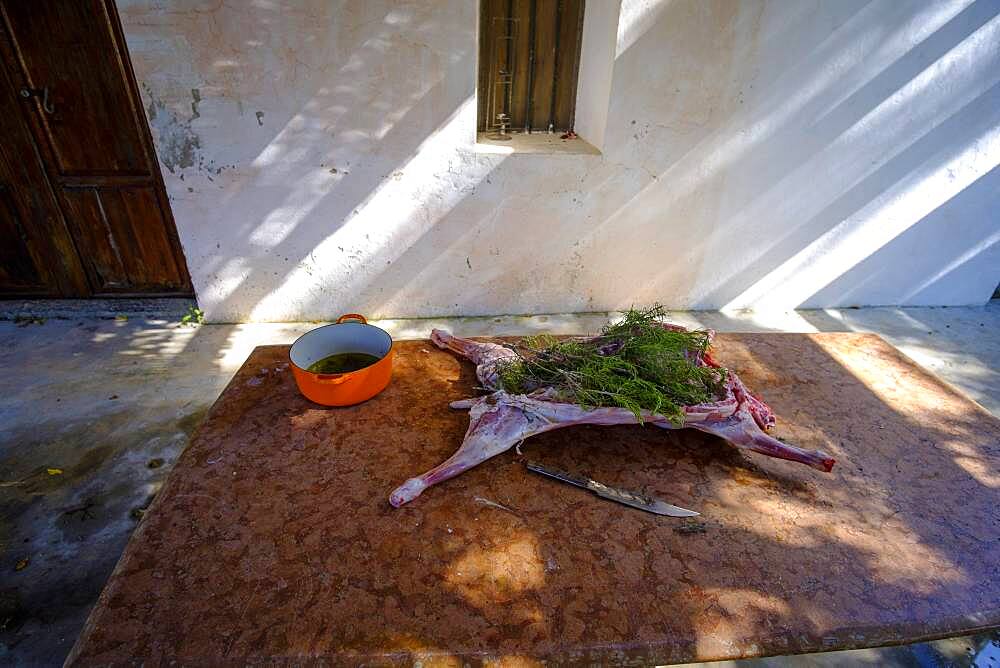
(195, 99)
(178, 145)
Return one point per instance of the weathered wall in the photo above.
(319, 158)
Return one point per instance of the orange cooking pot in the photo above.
(350, 334)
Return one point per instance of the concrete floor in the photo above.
(96, 409)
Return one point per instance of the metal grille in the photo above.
(529, 58)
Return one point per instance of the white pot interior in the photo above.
(347, 337)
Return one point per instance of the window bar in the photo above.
(576, 62)
(501, 83)
(511, 45)
(532, 19)
(555, 68)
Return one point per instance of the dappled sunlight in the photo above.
(634, 19)
(872, 528)
(889, 46)
(398, 212)
(916, 393)
(846, 57)
(500, 573)
(354, 96)
(295, 143)
(856, 238)
(868, 69)
(506, 325)
(892, 552)
(889, 527)
(230, 276)
(961, 364)
(899, 556)
(739, 614)
(869, 146)
(778, 320)
(977, 464)
(978, 467)
(975, 250)
(163, 344)
(868, 168)
(283, 218)
(870, 372)
(240, 340)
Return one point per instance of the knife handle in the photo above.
(559, 474)
(598, 488)
(633, 499)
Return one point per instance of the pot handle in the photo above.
(352, 316)
(331, 378)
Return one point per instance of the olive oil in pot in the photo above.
(343, 363)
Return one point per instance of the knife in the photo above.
(647, 503)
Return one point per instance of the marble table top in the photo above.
(273, 537)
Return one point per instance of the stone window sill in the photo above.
(538, 142)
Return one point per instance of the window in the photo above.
(529, 57)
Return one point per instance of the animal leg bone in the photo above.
(494, 427)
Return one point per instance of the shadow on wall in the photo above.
(366, 93)
(820, 150)
(839, 188)
(738, 173)
(826, 150)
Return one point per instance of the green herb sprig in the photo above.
(635, 364)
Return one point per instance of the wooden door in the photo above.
(37, 254)
(67, 66)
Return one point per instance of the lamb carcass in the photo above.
(499, 421)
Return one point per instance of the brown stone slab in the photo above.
(273, 536)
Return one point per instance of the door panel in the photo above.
(38, 257)
(67, 61)
(98, 248)
(147, 252)
(63, 51)
(17, 270)
(120, 255)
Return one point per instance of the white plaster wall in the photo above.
(759, 154)
(597, 68)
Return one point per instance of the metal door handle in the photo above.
(44, 92)
(46, 105)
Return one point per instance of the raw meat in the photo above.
(499, 421)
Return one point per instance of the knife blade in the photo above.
(648, 503)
